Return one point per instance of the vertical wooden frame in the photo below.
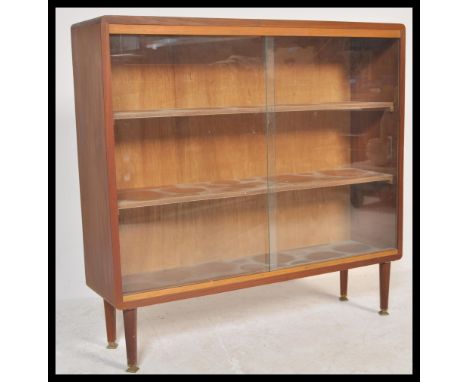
(401, 103)
(110, 143)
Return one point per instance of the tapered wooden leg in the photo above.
(130, 324)
(384, 272)
(344, 285)
(109, 312)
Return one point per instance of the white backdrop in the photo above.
(69, 244)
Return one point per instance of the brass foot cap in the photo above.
(384, 312)
(343, 298)
(132, 368)
(112, 345)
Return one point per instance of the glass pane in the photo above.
(191, 158)
(332, 147)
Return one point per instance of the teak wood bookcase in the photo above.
(219, 154)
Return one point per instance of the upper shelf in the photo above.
(144, 197)
(333, 106)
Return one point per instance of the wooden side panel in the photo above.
(93, 164)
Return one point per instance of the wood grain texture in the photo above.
(102, 274)
(194, 75)
(200, 21)
(170, 236)
(232, 188)
(110, 156)
(233, 283)
(250, 31)
(163, 151)
(311, 70)
(164, 113)
(304, 142)
(310, 217)
(177, 235)
(310, 141)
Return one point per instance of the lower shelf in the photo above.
(246, 265)
(145, 197)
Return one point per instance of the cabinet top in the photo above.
(250, 27)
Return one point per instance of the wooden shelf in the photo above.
(220, 269)
(144, 197)
(333, 106)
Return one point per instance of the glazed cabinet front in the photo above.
(191, 158)
(333, 141)
(238, 155)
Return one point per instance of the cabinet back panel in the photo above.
(310, 141)
(164, 151)
(311, 70)
(311, 217)
(303, 142)
(179, 235)
(327, 69)
(187, 234)
(187, 72)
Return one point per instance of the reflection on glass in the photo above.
(355, 147)
(184, 158)
(239, 155)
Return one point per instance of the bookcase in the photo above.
(220, 154)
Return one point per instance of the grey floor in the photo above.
(291, 327)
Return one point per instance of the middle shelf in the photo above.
(187, 112)
(178, 193)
